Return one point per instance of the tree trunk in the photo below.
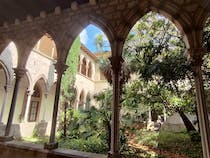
(108, 126)
(65, 121)
(196, 112)
(188, 124)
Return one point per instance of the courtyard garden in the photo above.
(157, 82)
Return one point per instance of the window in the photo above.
(90, 70)
(81, 100)
(33, 111)
(78, 69)
(83, 71)
(34, 104)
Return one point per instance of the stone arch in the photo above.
(79, 61)
(30, 81)
(45, 82)
(90, 70)
(81, 99)
(84, 66)
(35, 103)
(9, 55)
(45, 45)
(4, 44)
(29, 43)
(6, 72)
(206, 34)
(77, 92)
(88, 100)
(182, 22)
(80, 25)
(9, 58)
(202, 17)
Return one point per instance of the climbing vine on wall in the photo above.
(68, 92)
(70, 74)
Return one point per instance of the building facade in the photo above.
(37, 88)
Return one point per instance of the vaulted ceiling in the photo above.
(12, 9)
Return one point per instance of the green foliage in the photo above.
(99, 42)
(155, 48)
(85, 126)
(68, 91)
(155, 52)
(172, 142)
(206, 35)
(148, 138)
(68, 78)
(92, 144)
(179, 143)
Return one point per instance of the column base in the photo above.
(50, 146)
(113, 155)
(6, 138)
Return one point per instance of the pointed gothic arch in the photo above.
(84, 66)
(90, 70)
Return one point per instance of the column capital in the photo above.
(196, 56)
(46, 93)
(7, 87)
(60, 67)
(19, 72)
(30, 92)
(116, 63)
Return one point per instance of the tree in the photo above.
(104, 100)
(68, 92)
(99, 42)
(155, 51)
(206, 35)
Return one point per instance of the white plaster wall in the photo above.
(9, 57)
(47, 106)
(84, 83)
(38, 66)
(176, 119)
(101, 85)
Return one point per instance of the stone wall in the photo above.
(28, 129)
(16, 149)
(114, 17)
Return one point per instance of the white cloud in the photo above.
(84, 36)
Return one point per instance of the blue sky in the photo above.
(88, 35)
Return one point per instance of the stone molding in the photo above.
(114, 19)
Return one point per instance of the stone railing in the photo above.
(16, 149)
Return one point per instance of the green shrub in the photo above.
(92, 144)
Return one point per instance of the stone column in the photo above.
(116, 63)
(202, 108)
(27, 107)
(77, 104)
(150, 115)
(45, 104)
(77, 100)
(19, 73)
(7, 89)
(164, 114)
(87, 67)
(60, 68)
(80, 64)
